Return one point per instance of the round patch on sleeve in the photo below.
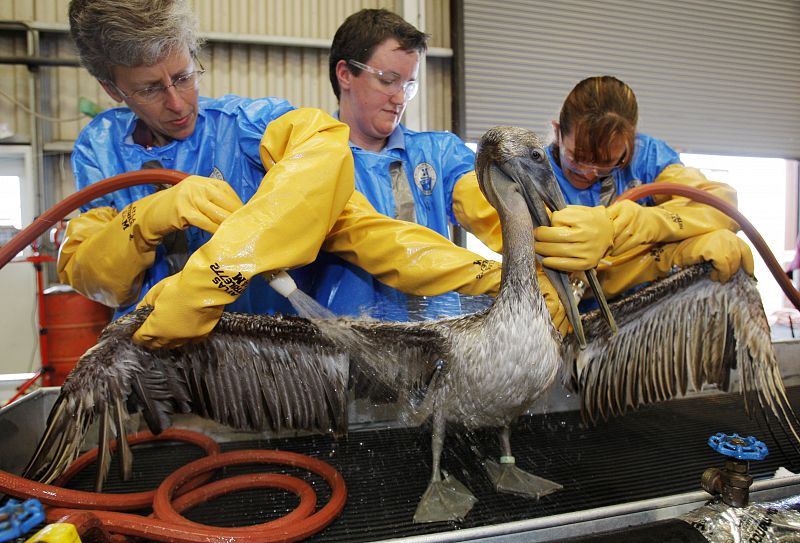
(425, 178)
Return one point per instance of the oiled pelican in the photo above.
(255, 372)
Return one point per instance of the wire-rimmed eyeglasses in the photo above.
(183, 83)
(390, 82)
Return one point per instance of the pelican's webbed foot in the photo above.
(444, 500)
(507, 477)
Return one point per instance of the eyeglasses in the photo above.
(586, 168)
(390, 82)
(182, 83)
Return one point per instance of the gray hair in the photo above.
(131, 33)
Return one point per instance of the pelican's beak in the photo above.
(540, 188)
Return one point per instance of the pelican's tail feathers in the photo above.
(425, 400)
(678, 334)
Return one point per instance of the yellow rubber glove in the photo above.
(674, 218)
(417, 260)
(557, 312)
(411, 258)
(308, 182)
(627, 271)
(475, 214)
(726, 251)
(198, 201)
(722, 248)
(577, 239)
(105, 253)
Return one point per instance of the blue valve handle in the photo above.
(17, 519)
(743, 448)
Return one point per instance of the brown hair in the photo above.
(597, 110)
(363, 31)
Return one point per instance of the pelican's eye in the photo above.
(537, 155)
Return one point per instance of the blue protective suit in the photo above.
(433, 162)
(224, 144)
(650, 157)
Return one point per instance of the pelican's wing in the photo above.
(252, 372)
(679, 333)
(390, 361)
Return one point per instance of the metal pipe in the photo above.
(221, 37)
(654, 506)
(32, 61)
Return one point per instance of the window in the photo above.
(761, 186)
(10, 204)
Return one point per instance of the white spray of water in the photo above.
(305, 305)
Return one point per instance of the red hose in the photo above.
(730, 210)
(164, 509)
(170, 527)
(166, 523)
(303, 490)
(69, 204)
(63, 497)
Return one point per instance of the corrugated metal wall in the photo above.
(719, 76)
(254, 48)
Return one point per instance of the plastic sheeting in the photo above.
(756, 523)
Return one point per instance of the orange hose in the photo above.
(303, 490)
(163, 508)
(730, 210)
(169, 526)
(69, 204)
(63, 497)
(166, 523)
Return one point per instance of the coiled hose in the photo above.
(182, 490)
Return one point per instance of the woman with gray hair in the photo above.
(292, 168)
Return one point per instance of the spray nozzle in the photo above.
(283, 283)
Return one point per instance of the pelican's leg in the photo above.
(507, 477)
(444, 499)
